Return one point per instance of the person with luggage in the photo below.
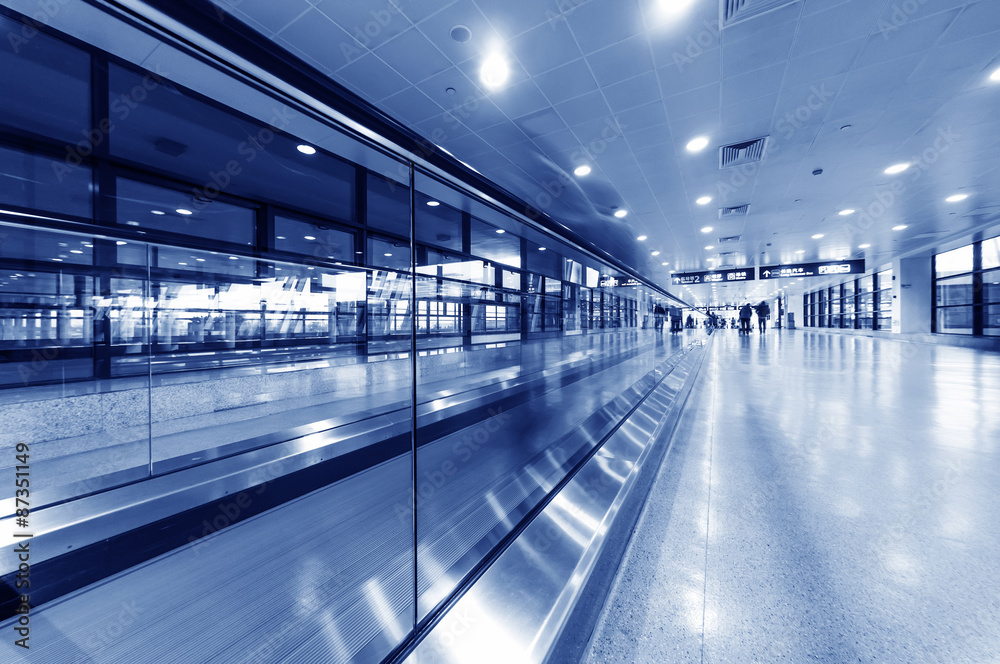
(675, 319)
(745, 313)
(763, 311)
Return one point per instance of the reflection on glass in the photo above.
(42, 183)
(956, 290)
(954, 320)
(991, 253)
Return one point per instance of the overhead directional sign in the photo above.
(825, 269)
(713, 277)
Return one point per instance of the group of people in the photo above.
(746, 313)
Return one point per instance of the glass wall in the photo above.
(967, 297)
(194, 288)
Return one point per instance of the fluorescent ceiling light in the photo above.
(697, 144)
(995, 76)
(898, 168)
(709, 248)
(621, 213)
(234, 258)
(541, 248)
(844, 213)
(306, 149)
(309, 237)
(501, 231)
(863, 246)
(494, 72)
(706, 229)
(900, 227)
(158, 212)
(433, 203)
(800, 251)
(641, 238)
(581, 170)
(704, 200)
(664, 263)
(817, 236)
(120, 243)
(183, 211)
(656, 253)
(956, 198)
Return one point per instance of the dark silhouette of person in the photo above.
(745, 313)
(763, 311)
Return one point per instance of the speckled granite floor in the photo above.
(827, 499)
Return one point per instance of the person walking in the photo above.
(676, 317)
(763, 311)
(745, 313)
(658, 313)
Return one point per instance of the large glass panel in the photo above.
(495, 244)
(46, 184)
(223, 152)
(991, 253)
(144, 205)
(46, 88)
(991, 320)
(314, 239)
(388, 205)
(991, 287)
(70, 319)
(954, 320)
(956, 261)
(956, 290)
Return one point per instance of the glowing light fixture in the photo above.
(844, 213)
(308, 237)
(158, 212)
(706, 229)
(306, 149)
(494, 72)
(501, 231)
(656, 253)
(956, 198)
(697, 144)
(900, 227)
(863, 246)
(433, 203)
(581, 171)
(621, 213)
(704, 200)
(183, 211)
(641, 238)
(817, 236)
(995, 76)
(541, 248)
(898, 168)
(709, 248)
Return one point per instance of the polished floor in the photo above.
(827, 499)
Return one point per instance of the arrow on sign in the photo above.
(767, 273)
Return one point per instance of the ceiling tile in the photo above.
(911, 38)
(411, 105)
(695, 102)
(413, 56)
(373, 76)
(317, 36)
(570, 80)
(513, 17)
(600, 23)
(625, 59)
(545, 47)
(272, 16)
(437, 28)
(520, 99)
(370, 26)
(752, 54)
(759, 83)
(637, 91)
(841, 23)
(586, 107)
(540, 123)
(693, 73)
(642, 116)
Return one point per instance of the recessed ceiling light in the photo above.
(664, 263)
(704, 200)
(995, 76)
(433, 203)
(58, 260)
(501, 231)
(641, 238)
(817, 236)
(494, 72)
(900, 227)
(709, 248)
(182, 263)
(75, 251)
(656, 253)
(309, 237)
(863, 246)
(200, 260)
(956, 198)
(387, 255)
(158, 212)
(234, 258)
(844, 213)
(183, 211)
(120, 243)
(581, 170)
(621, 213)
(306, 149)
(541, 248)
(461, 34)
(897, 168)
(697, 144)
(800, 251)
(706, 229)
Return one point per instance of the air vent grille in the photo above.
(731, 238)
(747, 152)
(735, 11)
(738, 211)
